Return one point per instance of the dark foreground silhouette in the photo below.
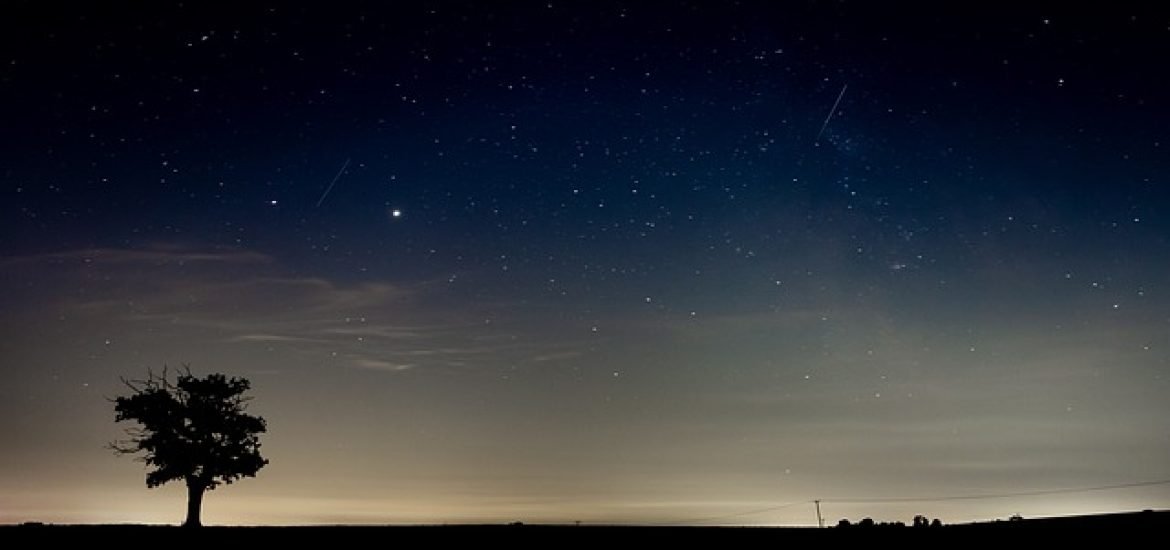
(193, 429)
(1116, 525)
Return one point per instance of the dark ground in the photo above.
(1114, 526)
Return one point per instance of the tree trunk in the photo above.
(195, 490)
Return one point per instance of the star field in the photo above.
(617, 261)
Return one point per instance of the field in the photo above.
(1115, 524)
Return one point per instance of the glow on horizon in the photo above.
(165, 507)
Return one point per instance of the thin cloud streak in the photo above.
(248, 299)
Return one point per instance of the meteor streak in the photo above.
(831, 112)
(346, 165)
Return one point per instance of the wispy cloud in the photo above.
(267, 338)
(157, 255)
(249, 299)
(376, 364)
(556, 356)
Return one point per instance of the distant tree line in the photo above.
(919, 521)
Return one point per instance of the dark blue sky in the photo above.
(613, 220)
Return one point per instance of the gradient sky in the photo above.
(559, 261)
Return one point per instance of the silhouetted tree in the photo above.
(921, 521)
(936, 523)
(865, 522)
(844, 523)
(195, 429)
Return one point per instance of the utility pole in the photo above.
(820, 521)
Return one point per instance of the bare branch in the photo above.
(193, 429)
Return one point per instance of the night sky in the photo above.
(634, 262)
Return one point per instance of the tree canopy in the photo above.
(193, 429)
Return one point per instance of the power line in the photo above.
(1001, 495)
(1066, 490)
